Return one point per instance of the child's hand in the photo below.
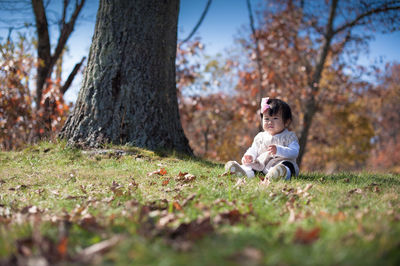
(247, 159)
(272, 149)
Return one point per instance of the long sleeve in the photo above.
(253, 150)
(289, 152)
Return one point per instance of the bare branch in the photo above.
(367, 14)
(66, 31)
(198, 23)
(257, 49)
(71, 76)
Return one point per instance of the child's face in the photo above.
(273, 124)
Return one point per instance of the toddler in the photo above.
(274, 151)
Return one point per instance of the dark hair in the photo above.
(277, 106)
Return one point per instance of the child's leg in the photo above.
(235, 167)
(279, 171)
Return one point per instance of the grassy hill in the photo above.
(130, 206)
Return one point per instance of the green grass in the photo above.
(56, 203)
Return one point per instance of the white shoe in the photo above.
(233, 167)
(277, 172)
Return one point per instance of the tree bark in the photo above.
(311, 103)
(45, 58)
(129, 93)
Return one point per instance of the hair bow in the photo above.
(264, 104)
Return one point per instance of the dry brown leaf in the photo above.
(133, 184)
(218, 201)
(62, 247)
(83, 189)
(185, 177)
(19, 187)
(165, 182)
(247, 256)
(99, 248)
(193, 230)
(186, 201)
(116, 188)
(166, 219)
(356, 190)
(177, 206)
(338, 217)
(240, 183)
(231, 217)
(306, 236)
(265, 182)
(160, 171)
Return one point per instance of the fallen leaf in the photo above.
(116, 188)
(292, 216)
(232, 217)
(99, 248)
(185, 177)
(356, 190)
(186, 201)
(308, 187)
(218, 201)
(24, 246)
(247, 256)
(240, 183)
(83, 189)
(19, 187)
(265, 182)
(177, 206)
(165, 182)
(307, 236)
(224, 174)
(166, 219)
(55, 192)
(193, 230)
(338, 217)
(89, 222)
(133, 184)
(160, 171)
(62, 247)
(182, 174)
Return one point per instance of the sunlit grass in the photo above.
(50, 192)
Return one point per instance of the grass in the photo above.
(63, 206)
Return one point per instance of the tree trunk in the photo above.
(47, 60)
(311, 104)
(129, 94)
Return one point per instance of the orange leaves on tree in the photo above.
(21, 122)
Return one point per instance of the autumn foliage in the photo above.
(355, 124)
(21, 122)
(343, 133)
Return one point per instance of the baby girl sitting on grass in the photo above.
(274, 151)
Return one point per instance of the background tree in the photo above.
(129, 88)
(46, 58)
(15, 97)
(35, 113)
(300, 41)
(384, 109)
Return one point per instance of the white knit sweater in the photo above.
(287, 150)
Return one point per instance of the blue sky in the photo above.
(224, 20)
